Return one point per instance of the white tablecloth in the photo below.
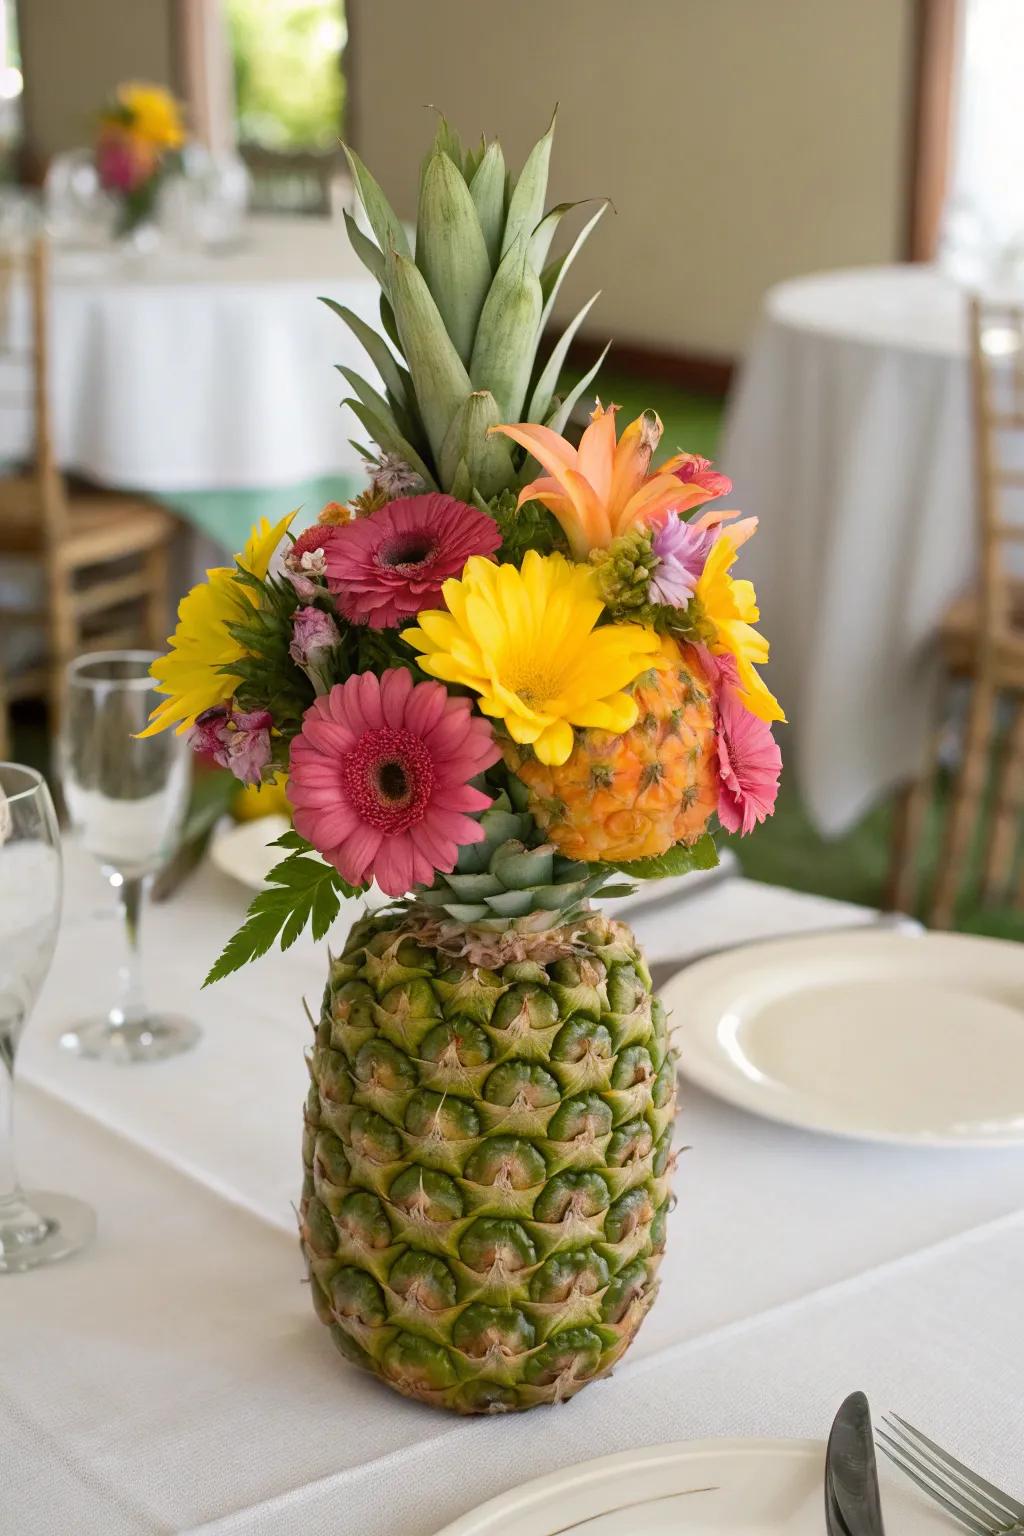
(849, 436)
(191, 372)
(174, 1379)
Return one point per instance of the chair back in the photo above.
(25, 362)
(997, 380)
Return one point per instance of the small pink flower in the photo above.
(234, 739)
(123, 161)
(305, 563)
(682, 549)
(314, 638)
(749, 760)
(388, 566)
(379, 778)
(695, 470)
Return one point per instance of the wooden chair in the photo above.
(100, 559)
(982, 640)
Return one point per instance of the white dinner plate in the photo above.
(243, 851)
(721, 1487)
(897, 1037)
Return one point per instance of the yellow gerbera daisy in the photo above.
(154, 114)
(190, 673)
(525, 641)
(731, 607)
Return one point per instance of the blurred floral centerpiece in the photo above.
(138, 139)
(515, 675)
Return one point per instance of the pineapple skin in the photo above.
(633, 796)
(487, 1157)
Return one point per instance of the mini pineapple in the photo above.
(619, 798)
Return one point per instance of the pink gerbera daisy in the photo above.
(390, 565)
(749, 760)
(379, 778)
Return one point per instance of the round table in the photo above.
(849, 436)
(184, 371)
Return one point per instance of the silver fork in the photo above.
(979, 1505)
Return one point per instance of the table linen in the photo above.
(849, 436)
(174, 1379)
(202, 372)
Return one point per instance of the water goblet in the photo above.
(126, 798)
(35, 1227)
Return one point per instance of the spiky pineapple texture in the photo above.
(487, 1158)
(634, 796)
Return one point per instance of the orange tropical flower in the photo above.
(603, 488)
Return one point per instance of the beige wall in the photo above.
(75, 51)
(742, 141)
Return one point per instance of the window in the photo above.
(289, 88)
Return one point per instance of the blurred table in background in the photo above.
(849, 436)
(206, 379)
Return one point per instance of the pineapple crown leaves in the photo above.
(304, 891)
(464, 316)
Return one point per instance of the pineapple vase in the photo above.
(514, 676)
(488, 1140)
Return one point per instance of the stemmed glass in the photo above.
(35, 1228)
(126, 799)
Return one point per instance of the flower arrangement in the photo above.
(139, 134)
(514, 673)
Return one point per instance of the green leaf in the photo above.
(506, 342)
(380, 354)
(304, 891)
(526, 205)
(385, 435)
(487, 189)
(451, 252)
(544, 389)
(439, 377)
(554, 274)
(384, 222)
(371, 256)
(683, 859)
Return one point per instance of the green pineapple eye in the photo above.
(459, 1041)
(574, 1354)
(625, 989)
(483, 1330)
(661, 1092)
(633, 1066)
(629, 1284)
(318, 1230)
(356, 1294)
(581, 1271)
(573, 1192)
(521, 1083)
(353, 1004)
(630, 1143)
(525, 1007)
(580, 1038)
(375, 1138)
(361, 1218)
(428, 1194)
(582, 1119)
(662, 1153)
(379, 1064)
(331, 1159)
(494, 1244)
(487, 1397)
(416, 1364)
(632, 1210)
(334, 1076)
(508, 1161)
(659, 1228)
(443, 1119)
(424, 1280)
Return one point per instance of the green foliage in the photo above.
(683, 859)
(289, 89)
(269, 677)
(531, 527)
(303, 891)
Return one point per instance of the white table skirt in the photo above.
(849, 436)
(174, 1379)
(187, 372)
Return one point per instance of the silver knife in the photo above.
(851, 1476)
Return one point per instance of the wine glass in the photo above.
(126, 799)
(35, 1227)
